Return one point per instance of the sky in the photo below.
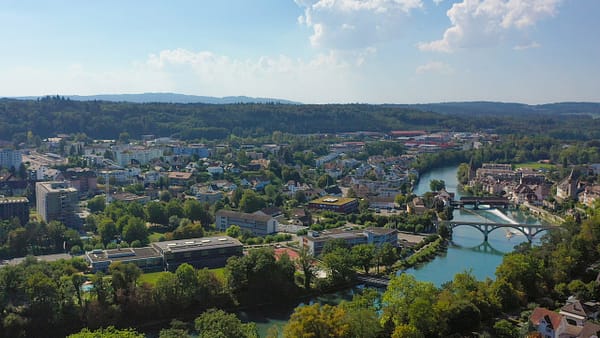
(311, 51)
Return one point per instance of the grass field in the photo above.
(535, 165)
(154, 237)
(152, 277)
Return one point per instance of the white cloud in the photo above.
(477, 23)
(434, 67)
(333, 76)
(527, 46)
(437, 2)
(350, 24)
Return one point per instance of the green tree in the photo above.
(156, 213)
(251, 201)
(109, 332)
(363, 256)
(135, 230)
(402, 292)
(107, 229)
(437, 185)
(218, 323)
(339, 265)
(317, 321)
(234, 231)
(305, 262)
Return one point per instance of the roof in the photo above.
(540, 313)
(332, 200)
(589, 329)
(180, 175)
(235, 214)
(195, 244)
(123, 254)
(579, 309)
(8, 200)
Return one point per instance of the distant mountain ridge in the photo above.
(169, 98)
(505, 108)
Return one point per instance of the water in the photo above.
(466, 252)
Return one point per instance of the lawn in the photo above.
(155, 236)
(536, 165)
(152, 277)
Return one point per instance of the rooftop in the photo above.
(194, 244)
(116, 255)
(8, 200)
(332, 200)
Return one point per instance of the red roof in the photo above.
(279, 251)
(541, 313)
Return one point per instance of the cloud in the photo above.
(477, 23)
(351, 24)
(434, 67)
(333, 76)
(527, 46)
(437, 2)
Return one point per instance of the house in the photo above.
(180, 178)
(416, 206)
(590, 194)
(571, 321)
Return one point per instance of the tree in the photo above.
(339, 265)
(107, 229)
(386, 255)
(325, 181)
(504, 329)
(109, 332)
(305, 262)
(402, 292)
(251, 201)
(234, 231)
(135, 230)
(363, 256)
(156, 213)
(437, 185)
(406, 331)
(317, 321)
(218, 323)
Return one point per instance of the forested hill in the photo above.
(169, 98)
(510, 109)
(101, 119)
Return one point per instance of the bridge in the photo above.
(380, 282)
(476, 201)
(529, 230)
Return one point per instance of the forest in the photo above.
(106, 120)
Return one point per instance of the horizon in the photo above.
(309, 51)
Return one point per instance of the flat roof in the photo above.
(333, 200)
(195, 244)
(123, 254)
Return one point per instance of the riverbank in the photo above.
(429, 251)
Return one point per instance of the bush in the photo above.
(76, 250)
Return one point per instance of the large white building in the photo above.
(10, 158)
(257, 223)
(141, 155)
(57, 201)
(315, 241)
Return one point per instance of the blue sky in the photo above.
(312, 51)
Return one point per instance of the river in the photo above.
(466, 252)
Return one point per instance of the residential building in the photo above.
(315, 241)
(84, 180)
(335, 204)
(200, 150)
(11, 207)
(139, 155)
(10, 158)
(206, 252)
(258, 224)
(573, 320)
(57, 201)
(180, 178)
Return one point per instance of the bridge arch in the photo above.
(528, 230)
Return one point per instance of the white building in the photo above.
(10, 158)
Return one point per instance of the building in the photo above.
(84, 180)
(567, 188)
(181, 179)
(315, 241)
(573, 320)
(206, 252)
(336, 204)
(148, 258)
(10, 158)
(199, 150)
(258, 224)
(57, 201)
(139, 155)
(11, 207)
